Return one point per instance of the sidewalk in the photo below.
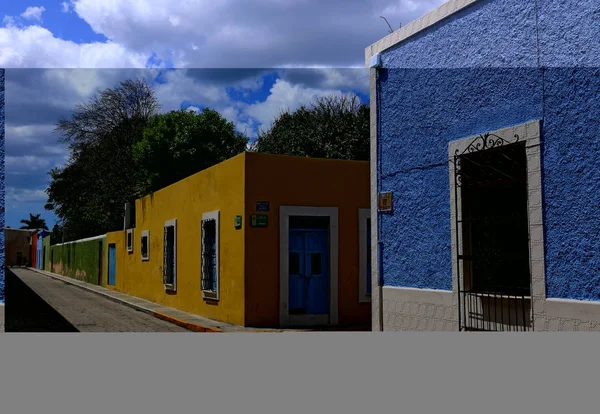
(186, 320)
(2, 317)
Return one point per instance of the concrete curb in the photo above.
(194, 327)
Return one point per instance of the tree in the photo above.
(56, 235)
(88, 194)
(178, 144)
(35, 222)
(333, 127)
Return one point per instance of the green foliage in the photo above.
(122, 149)
(178, 144)
(333, 127)
(89, 193)
(34, 222)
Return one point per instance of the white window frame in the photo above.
(129, 246)
(171, 287)
(146, 234)
(363, 295)
(209, 294)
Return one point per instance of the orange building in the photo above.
(257, 240)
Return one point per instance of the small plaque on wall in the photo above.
(262, 206)
(385, 201)
(260, 220)
(238, 222)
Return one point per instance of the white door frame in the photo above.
(284, 233)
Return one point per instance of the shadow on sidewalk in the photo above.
(25, 311)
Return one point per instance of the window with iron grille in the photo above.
(130, 240)
(210, 255)
(170, 256)
(145, 247)
(492, 234)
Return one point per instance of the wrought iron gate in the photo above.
(492, 235)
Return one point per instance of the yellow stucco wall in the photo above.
(220, 187)
(299, 181)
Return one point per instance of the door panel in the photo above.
(308, 272)
(297, 266)
(112, 264)
(317, 301)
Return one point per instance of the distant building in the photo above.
(485, 168)
(38, 249)
(17, 246)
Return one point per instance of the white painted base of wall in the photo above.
(409, 309)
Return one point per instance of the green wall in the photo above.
(46, 247)
(78, 260)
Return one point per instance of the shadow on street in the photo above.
(25, 311)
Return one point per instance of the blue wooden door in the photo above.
(112, 264)
(317, 273)
(308, 272)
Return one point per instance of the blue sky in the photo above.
(313, 48)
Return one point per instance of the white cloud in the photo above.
(33, 13)
(180, 87)
(25, 195)
(262, 33)
(284, 96)
(9, 21)
(208, 33)
(35, 46)
(26, 163)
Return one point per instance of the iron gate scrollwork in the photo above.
(492, 235)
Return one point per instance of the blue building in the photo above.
(40, 259)
(485, 168)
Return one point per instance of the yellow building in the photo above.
(257, 240)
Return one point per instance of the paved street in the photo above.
(36, 303)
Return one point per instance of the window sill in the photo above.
(145, 259)
(210, 295)
(170, 287)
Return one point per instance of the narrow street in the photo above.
(36, 303)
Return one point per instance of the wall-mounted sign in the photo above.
(238, 222)
(262, 206)
(385, 201)
(260, 220)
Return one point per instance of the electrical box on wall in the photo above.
(375, 61)
(260, 220)
(385, 202)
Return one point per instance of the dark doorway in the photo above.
(100, 257)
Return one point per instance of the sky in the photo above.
(57, 54)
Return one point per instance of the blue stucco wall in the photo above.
(2, 192)
(489, 33)
(487, 77)
(571, 182)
